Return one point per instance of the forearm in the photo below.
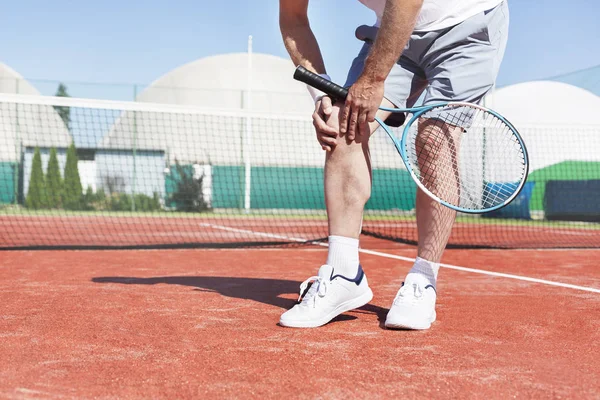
(397, 24)
(302, 45)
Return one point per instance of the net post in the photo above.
(18, 149)
(134, 152)
(248, 134)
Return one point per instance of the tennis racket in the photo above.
(465, 156)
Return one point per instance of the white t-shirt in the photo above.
(439, 14)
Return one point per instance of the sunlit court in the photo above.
(167, 189)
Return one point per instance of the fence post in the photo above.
(247, 146)
(133, 183)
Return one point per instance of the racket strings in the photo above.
(436, 156)
(466, 156)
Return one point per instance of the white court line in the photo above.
(491, 273)
(408, 259)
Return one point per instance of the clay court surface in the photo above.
(203, 324)
(81, 231)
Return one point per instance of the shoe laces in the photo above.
(409, 292)
(318, 289)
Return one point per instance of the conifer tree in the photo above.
(54, 182)
(36, 194)
(73, 192)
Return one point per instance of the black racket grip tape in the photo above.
(310, 78)
(338, 92)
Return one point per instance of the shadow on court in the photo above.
(267, 291)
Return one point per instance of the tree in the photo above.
(64, 112)
(36, 195)
(73, 192)
(54, 182)
(188, 196)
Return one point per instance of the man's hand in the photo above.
(326, 135)
(364, 98)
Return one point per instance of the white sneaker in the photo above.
(328, 297)
(413, 307)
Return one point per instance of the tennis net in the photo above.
(78, 173)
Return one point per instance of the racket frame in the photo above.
(416, 113)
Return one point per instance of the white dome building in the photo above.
(558, 122)
(22, 128)
(202, 121)
(12, 82)
(214, 131)
(221, 81)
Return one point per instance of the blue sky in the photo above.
(126, 42)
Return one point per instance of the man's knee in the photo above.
(341, 139)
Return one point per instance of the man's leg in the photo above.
(340, 285)
(437, 147)
(466, 77)
(347, 190)
(348, 167)
(466, 73)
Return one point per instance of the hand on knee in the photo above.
(325, 126)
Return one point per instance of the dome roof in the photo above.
(545, 102)
(12, 82)
(558, 122)
(588, 79)
(26, 125)
(221, 81)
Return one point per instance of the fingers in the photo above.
(326, 106)
(326, 135)
(344, 114)
(364, 119)
(327, 143)
(354, 119)
(371, 116)
(363, 126)
(351, 135)
(321, 126)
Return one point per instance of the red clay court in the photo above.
(203, 324)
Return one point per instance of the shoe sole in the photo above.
(410, 325)
(352, 304)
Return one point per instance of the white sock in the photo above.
(423, 269)
(343, 255)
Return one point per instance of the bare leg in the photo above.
(348, 179)
(436, 143)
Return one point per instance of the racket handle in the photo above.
(310, 78)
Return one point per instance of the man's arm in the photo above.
(365, 96)
(304, 50)
(298, 38)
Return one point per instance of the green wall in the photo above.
(227, 187)
(393, 189)
(287, 188)
(7, 182)
(302, 188)
(566, 170)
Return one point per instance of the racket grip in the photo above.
(310, 78)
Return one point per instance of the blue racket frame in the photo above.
(400, 145)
